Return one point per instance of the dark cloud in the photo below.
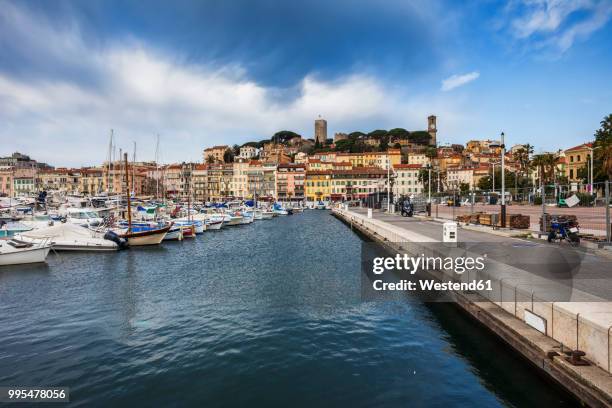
(278, 42)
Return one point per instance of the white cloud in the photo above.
(456, 81)
(550, 23)
(140, 91)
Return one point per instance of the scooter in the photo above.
(566, 230)
(407, 210)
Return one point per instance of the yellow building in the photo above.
(215, 154)
(317, 185)
(60, 179)
(576, 158)
(92, 181)
(372, 159)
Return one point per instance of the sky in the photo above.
(202, 73)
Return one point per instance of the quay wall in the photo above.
(585, 326)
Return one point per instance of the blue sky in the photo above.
(223, 72)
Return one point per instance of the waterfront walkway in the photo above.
(580, 320)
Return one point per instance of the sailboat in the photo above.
(140, 236)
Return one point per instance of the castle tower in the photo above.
(321, 131)
(432, 129)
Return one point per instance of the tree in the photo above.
(210, 159)
(378, 134)
(437, 180)
(602, 155)
(582, 174)
(464, 187)
(522, 157)
(228, 156)
(344, 145)
(356, 135)
(397, 146)
(486, 183)
(420, 137)
(431, 152)
(284, 136)
(545, 163)
(236, 150)
(398, 133)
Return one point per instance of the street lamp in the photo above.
(503, 179)
(429, 183)
(503, 186)
(388, 184)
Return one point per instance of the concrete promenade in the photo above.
(592, 220)
(575, 309)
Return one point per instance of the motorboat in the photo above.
(213, 225)
(231, 220)
(10, 228)
(70, 237)
(174, 234)
(279, 210)
(320, 205)
(267, 215)
(16, 252)
(85, 217)
(197, 225)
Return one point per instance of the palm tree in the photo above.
(545, 163)
(522, 157)
(603, 146)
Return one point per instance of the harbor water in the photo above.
(267, 314)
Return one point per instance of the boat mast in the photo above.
(133, 167)
(110, 158)
(129, 203)
(157, 169)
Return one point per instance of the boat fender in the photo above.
(111, 236)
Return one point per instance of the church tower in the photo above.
(431, 129)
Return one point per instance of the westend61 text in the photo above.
(432, 285)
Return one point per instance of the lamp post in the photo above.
(503, 183)
(429, 184)
(388, 185)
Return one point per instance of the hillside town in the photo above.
(289, 167)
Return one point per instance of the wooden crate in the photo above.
(519, 221)
(485, 219)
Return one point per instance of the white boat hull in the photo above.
(80, 245)
(174, 235)
(24, 256)
(213, 226)
(234, 221)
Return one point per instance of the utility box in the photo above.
(369, 213)
(449, 232)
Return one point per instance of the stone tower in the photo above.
(321, 131)
(432, 129)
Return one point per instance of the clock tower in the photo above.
(431, 129)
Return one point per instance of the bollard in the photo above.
(369, 213)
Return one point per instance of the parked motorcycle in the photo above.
(564, 230)
(407, 209)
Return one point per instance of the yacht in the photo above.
(70, 237)
(85, 217)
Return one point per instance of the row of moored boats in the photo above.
(27, 236)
